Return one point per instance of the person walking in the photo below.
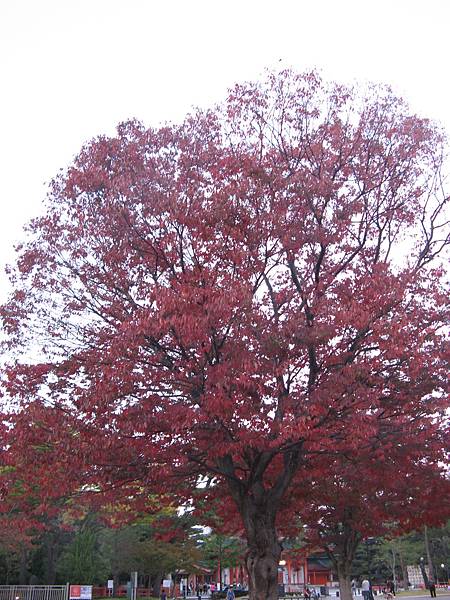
(230, 594)
(432, 589)
(365, 589)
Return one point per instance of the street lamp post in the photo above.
(423, 571)
(444, 569)
(281, 565)
(220, 564)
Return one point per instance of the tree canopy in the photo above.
(230, 301)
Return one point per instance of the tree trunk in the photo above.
(431, 577)
(23, 573)
(342, 553)
(263, 554)
(8, 570)
(116, 583)
(258, 506)
(404, 570)
(115, 568)
(156, 587)
(424, 574)
(50, 567)
(345, 585)
(394, 568)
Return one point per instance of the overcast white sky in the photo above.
(72, 69)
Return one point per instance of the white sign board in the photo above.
(166, 583)
(80, 592)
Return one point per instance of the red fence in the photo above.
(120, 592)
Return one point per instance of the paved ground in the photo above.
(423, 594)
(441, 595)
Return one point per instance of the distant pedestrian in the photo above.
(163, 595)
(365, 589)
(230, 594)
(432, 589)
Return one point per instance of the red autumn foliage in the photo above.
(367, 493)
(235, 297)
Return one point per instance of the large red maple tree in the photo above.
(222, 300)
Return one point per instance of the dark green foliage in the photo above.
(377, 557)
(81, 561)
(91, 553)
(220, 549)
